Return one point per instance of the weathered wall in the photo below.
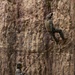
(3, 58)
(24, 38)
(8, 37)
(63, 53)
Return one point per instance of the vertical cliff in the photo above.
(23, 37)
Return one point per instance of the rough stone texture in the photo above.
(62, 17)
(24, 38)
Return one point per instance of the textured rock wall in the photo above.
(24, 38)
(8, 37)
(33, 44)
(64, 53)
(3, 58)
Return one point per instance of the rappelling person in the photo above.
(51, 29)
(18, 69)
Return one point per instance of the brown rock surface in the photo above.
(23, 37)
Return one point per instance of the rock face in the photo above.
(25, 39)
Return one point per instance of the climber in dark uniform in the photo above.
(51, 29)
(18, 69)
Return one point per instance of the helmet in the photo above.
(49, 16)
(19, 65)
